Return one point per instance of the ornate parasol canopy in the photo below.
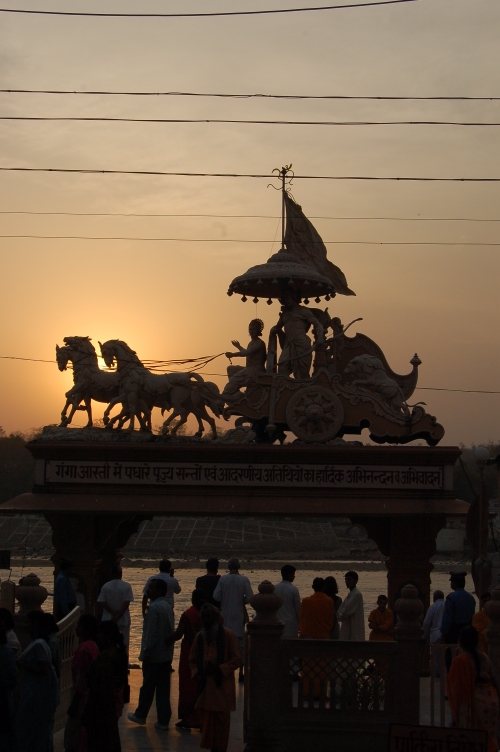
(301, 264)
(282, 272)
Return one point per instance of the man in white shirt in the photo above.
(116, 597)
(233, 591)
(290, 610)
(351, 613)
(166, 574)
(432, 624)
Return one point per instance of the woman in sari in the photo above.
(189, 626)
(39, 695)
(471, 689)
(107, 678)
(83, 657)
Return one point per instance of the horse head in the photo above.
(63, 355)
(116, 349)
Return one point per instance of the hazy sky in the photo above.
(168, 299)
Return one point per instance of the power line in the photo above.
(202, 15)
(155, 173)
(246, 216)
(238, 240)
(329, 123)
(249, 96)
(424, 388)
(242, 216)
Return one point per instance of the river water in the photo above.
(371, 583)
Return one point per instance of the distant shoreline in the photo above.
(326, 565)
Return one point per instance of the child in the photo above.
(381, 621)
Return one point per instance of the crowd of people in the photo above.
(211, 632)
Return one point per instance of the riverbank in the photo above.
(440, 563)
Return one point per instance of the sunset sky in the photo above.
(167, 299)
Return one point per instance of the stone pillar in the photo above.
(492, 609)
(263, 679)
(409, 636)
(91, 541)
(412, 544)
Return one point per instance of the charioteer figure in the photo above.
(255, 363)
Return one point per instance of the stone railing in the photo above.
(68, 640)
(316, 694)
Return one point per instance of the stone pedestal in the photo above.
(262, 687)
(409, 636)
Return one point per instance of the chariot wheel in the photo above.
(314, 414)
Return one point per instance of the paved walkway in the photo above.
(146, 738)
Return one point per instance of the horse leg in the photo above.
(114, 401)
(88, 406)
(201, 427)
(183, 413)
(211, 422)
(167, 422)
(64, 420)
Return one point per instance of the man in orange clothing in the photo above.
(317, 616)
(381, 622)
(480, 622)
(316, 613)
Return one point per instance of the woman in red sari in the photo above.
(471, 689)
(189, 626)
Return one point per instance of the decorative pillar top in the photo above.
(30, 594)
(266, 603)
(409, 609)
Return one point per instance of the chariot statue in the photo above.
(312, 380)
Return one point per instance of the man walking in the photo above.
(351, 615)
(166, 574)
(213, 659)
(459, 608)
(208, 582)
(233, 591)
(116, 597)
(290, 610)
(156, 658)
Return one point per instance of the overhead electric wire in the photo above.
(329, 123)
(267, 176)
(245, 216)
(203, 15)
(210, 358)
(250, 96)
(241, 240)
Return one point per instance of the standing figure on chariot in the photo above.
(292, 327)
